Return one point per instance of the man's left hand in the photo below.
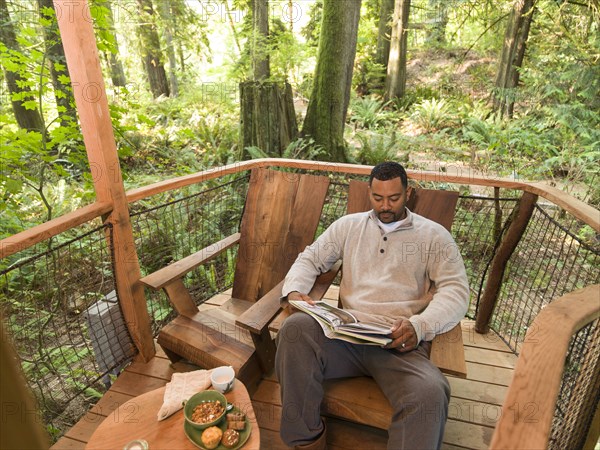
(404, 336)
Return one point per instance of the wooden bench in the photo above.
(280, 218)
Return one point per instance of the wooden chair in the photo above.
(280, 218)
(447, 352)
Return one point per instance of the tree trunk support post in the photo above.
(518, 224)
(96, 126)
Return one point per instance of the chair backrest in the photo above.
(280, 219)
(434, 204)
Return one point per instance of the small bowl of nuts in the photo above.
(205, 409)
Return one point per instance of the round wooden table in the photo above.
(137, 419)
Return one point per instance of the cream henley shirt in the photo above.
(415, 271)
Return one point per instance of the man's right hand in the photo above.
(295, 295)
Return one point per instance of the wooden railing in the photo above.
(528, 409)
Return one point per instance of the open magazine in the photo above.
(340, 324)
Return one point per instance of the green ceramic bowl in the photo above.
(200, 397)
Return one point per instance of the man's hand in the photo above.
(295, 295)
(404, 336)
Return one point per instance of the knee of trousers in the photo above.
(297, 330)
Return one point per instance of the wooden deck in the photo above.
(475, 405)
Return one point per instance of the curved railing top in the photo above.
(537, 377)
(27, 238)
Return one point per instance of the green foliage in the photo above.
(431, 115)
(376, 148)
(301, 148)
(370, 112)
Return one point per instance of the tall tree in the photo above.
(167, 15)
(267, 116)
(117, 74)
(384, 32)
(328, 104)
(28, 117)
(58, 64)
(438, 18)
(511, 60)
(150, 50)
(395, 82)
(260, 36)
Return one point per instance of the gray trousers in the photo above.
(416, 389)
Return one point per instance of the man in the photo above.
(398, 268)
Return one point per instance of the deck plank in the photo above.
(109, 402)
(490, 357)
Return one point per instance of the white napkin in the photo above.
(181, 387)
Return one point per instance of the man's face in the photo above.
(388, 199)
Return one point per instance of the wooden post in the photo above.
(75, 23)
(519, 220)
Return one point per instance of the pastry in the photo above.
(211, 437)
(230, 438)
(236, 416)
(236, 425)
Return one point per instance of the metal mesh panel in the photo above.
(477, 226)
(59, 305)
(548, 262)
(173, 230)
(579, 391)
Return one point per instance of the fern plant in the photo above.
(302, 148)
(376, 148)
(431, 114)
(370, 112)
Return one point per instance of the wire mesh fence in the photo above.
(59, 304)
(579, 391)
(167, 232)
(549, 261)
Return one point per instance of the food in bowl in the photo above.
(204, 409)
(211, 437)
(206, 412)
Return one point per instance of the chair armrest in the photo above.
(258, 317)
(162, 277)
(448, 352)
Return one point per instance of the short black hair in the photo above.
(389, 170)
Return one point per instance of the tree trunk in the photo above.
(260, 55)
(150, 50)
(117, 74)
(438, 18)
(63, 93)
(167, 15)
(511, 60)
(395, 83)
(267, 115)
(326, 114)
(268, 119)
(384, 32)
(28, 119)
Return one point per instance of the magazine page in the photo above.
(340, 324)
(331, 314)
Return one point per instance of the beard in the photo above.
(391, 216)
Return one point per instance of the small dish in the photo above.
(195, 434)
(197, 399)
